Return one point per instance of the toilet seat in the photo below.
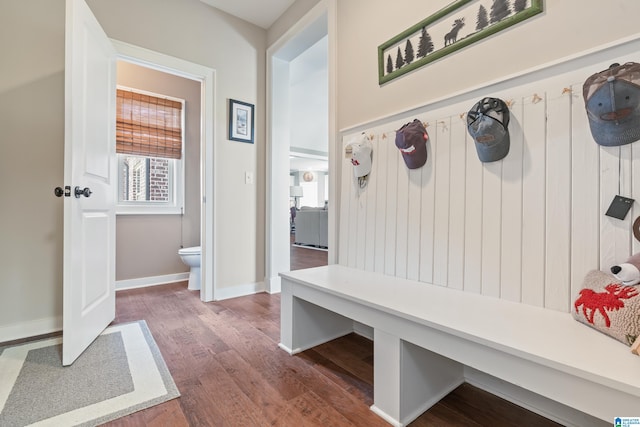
(194, 250)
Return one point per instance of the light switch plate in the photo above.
(248, 177)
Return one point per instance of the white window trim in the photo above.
(142, 208)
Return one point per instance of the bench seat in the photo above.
(429, 339)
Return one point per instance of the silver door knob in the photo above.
(86, 192)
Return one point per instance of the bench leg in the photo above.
(304, 325)
(408, 379)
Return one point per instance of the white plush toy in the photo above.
(629, 272)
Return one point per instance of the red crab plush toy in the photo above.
(611, 305)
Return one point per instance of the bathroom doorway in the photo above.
(140, 236)
(158, 203)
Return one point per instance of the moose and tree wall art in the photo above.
(459, 24)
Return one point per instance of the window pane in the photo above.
(145, 179)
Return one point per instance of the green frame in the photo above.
(534, 9)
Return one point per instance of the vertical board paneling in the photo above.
(361, 224)
(533, 201)
(615, 178)
(428, 209)
(413, 235)
(457, 178)
(526, 228)
(382, 160)
(624, 234)
(402, 219)
(353, 217)
(585, 204)
(372, 194)
(473, 220)
(391, 207)
(511, 259)
(345, 202)
(635, 193)
(491, 227)
(558, 202)
(441, 219)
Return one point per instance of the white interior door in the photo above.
(89, 219)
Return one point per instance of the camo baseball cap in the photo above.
(487, 123)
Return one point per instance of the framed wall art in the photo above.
(459, 24)
(241, 121)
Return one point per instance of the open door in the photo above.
(90, 180)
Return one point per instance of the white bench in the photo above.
(428, 340)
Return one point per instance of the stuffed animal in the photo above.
(628, 272)
(610, 307)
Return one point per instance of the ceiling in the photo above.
(262, 13)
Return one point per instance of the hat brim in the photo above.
(417, 158)
(491, 139)
(494, 152)
(612, 134)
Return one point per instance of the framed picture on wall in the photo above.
(460, 24)
(241, 121)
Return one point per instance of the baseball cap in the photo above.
(361, 156)
(487, 123)
(411, 140)
(612, 101)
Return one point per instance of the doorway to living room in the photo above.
(300, 109)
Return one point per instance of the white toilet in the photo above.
(191, 257)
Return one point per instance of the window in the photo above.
(149, 146)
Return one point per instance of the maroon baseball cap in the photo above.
(411, 140)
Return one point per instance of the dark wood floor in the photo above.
(306, 257)
(225, 360)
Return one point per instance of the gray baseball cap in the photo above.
(612, 101)
(487, 123)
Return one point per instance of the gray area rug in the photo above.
(120, 373)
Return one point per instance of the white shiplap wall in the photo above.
(527, 228)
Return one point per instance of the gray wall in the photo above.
(147, 245)
(32, 144)
(31, 164)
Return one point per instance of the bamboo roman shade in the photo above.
(148, 126)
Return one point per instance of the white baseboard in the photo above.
(143, 282)
(533, 402)
(273, 285)
(239, 291)
(30, 328)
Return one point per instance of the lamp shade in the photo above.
(295, 191)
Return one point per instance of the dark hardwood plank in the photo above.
(225, 360)
(305, 257)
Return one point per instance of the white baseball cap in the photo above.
(361, 156)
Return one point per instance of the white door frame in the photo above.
(277, 238)
(206, 77)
